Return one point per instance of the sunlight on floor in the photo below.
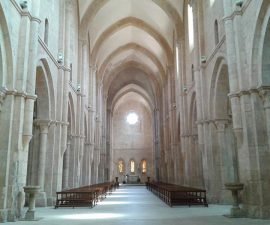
(114, 203)
(119, 196)
(92, 216)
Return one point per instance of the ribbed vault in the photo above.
(123, 34)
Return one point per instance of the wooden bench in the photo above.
(173, 194)
(84, 196)
(75, 198)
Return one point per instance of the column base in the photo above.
(3, 215)
(236, 213)
(257, 212)
(51, 201)
(30, 216)
(41, 199)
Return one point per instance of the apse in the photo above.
(132, 137)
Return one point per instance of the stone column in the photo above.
(109, 159)
(228, 167)
(30, 90)
(84, 73)
(234, 76)
(97, 152)
(233, 72)
(66, 167)
(86, 169)
(82, 156)
(156, 144)
(91, 116)
(198, 84)
(265, 93)
(71, 163)
(91, 129)
(43, 138)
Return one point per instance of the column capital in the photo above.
(221, 124)
(42, 122)
(82, 41)
(43, 125)
(93, 68)
(264, 92)
(3, 92)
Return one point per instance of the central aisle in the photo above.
(134, 205)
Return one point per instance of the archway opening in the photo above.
(38, 155)
(132, 138)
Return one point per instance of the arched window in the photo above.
(144, 166)
(132, 166)
(216, 33)
(190, 27)
(192, 72)
(46, 32)
(121, 166)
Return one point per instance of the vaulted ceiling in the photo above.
(131, 34)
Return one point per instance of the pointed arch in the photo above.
(132, 21)
(96, 5)
(135, 47)
(6, 59)
(44, 91)
(261, 47)
(220, 73)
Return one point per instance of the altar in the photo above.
(132, 179)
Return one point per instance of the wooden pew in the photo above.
(173, 194)
(84, 196)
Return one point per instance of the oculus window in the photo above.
(132, 118)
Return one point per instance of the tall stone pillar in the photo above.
(71, 163)
(91, 129)
(97, 152)
(156, 144)
(265, 93)
(198, 86)
(43, 138)
(86, 164)
(66, 167)
(30, 90)
(91, 119)
(228, 155)
(109, 159)
(233, 72)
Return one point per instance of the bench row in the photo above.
(84, 196)
(173, 194)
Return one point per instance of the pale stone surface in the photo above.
(136, 205)
(32, 192)
(66, 66)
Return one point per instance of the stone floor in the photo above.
(135, 205)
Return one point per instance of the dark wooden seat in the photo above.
(173, 194)
(84, 196)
